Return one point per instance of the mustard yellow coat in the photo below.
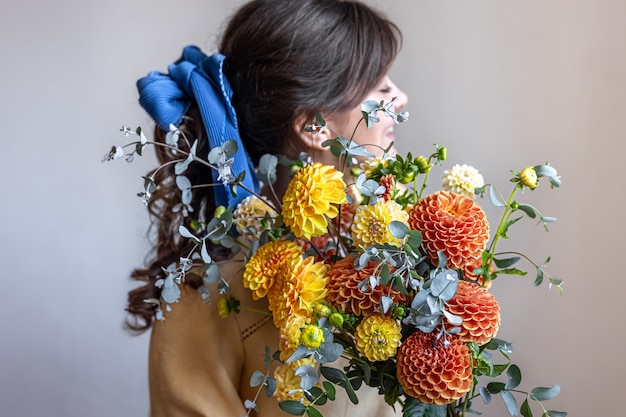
(201, 364)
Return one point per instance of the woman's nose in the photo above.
(401, 98)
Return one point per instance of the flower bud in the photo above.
(528, 177)
(336, 320)
(321, 310)
(442, 153)
(312, 336)
(219, 210)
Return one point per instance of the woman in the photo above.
(285, 61)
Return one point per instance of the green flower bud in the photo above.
(442, 153)
(219, 210)
(336, 320)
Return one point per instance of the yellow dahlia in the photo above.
(290, 333)
(288, 383)
(462, 179)
(371, 165)
(260, 271)
(371, 223)
(300, 285)
(344, 294)
(311, 198)
(378, 337)
(451, 223)
(433, 372)
(479, 310)
(249, 214)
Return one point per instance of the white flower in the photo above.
(462, 179)
(249, 216)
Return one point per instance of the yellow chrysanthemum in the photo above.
(312, 198)
(311, 336)
(300, 285)
(378, 337)
(371, 223)
(290, 333)
(227, 305)
(288, 383)
(260, 271)
(249, 214)
(462, 179)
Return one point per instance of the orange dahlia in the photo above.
(300, 285)
(260, 271)
(378, 337)
(311, 198)
(469, 275)
(479, 310)
(343, 291)
(433, 372)
(451, 223)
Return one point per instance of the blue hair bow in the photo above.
(195, 76)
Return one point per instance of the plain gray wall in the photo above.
(503, 84)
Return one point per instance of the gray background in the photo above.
(503, 84)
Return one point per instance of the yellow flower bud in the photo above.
(222, 308)
(528, 177)
(336, 319)
(312, 336)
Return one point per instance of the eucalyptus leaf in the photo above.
(444, 284)
(330, 390)
(398, 229)
(485, 395)
(230, 148)
(334, 375)
(308, 376)
(301, 352)
(506, 262)
(545, 171)
(452, 319)
(170, 293)
(257, 378)
(211, 273)
(515, 377)
(553, 413)
(206, 258)
(415, 408)
(495, 387)
(182, 166)
(494, 198)
(184, 232)
(330, 352)
(510, 402)
(182, 182)
(270, 386)
(267, 169)
(249, 405)
(528, 209)
(545, 393)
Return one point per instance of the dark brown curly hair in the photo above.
(286, 61)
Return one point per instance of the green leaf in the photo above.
(506, 262)
(332, 374)
(495, 387)
(528, 209)
(295, 408)
(313, 412)
(350, 390)
(330, 390)
(552, 413)
(545, 393)
(510, 402)
(515, 377)
(525, 410)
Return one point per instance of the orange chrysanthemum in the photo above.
(389, 182)
(479, 310)
(344, 294)
(300, 284)
(311, 198)
(378, 337)
(432, 372)
(260, 271)
(451, 223)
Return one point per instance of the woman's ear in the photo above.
(311, 140)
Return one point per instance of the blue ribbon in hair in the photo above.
(195, 76)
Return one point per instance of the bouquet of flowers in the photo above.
(371, 281)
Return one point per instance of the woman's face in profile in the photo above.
(380, 135)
